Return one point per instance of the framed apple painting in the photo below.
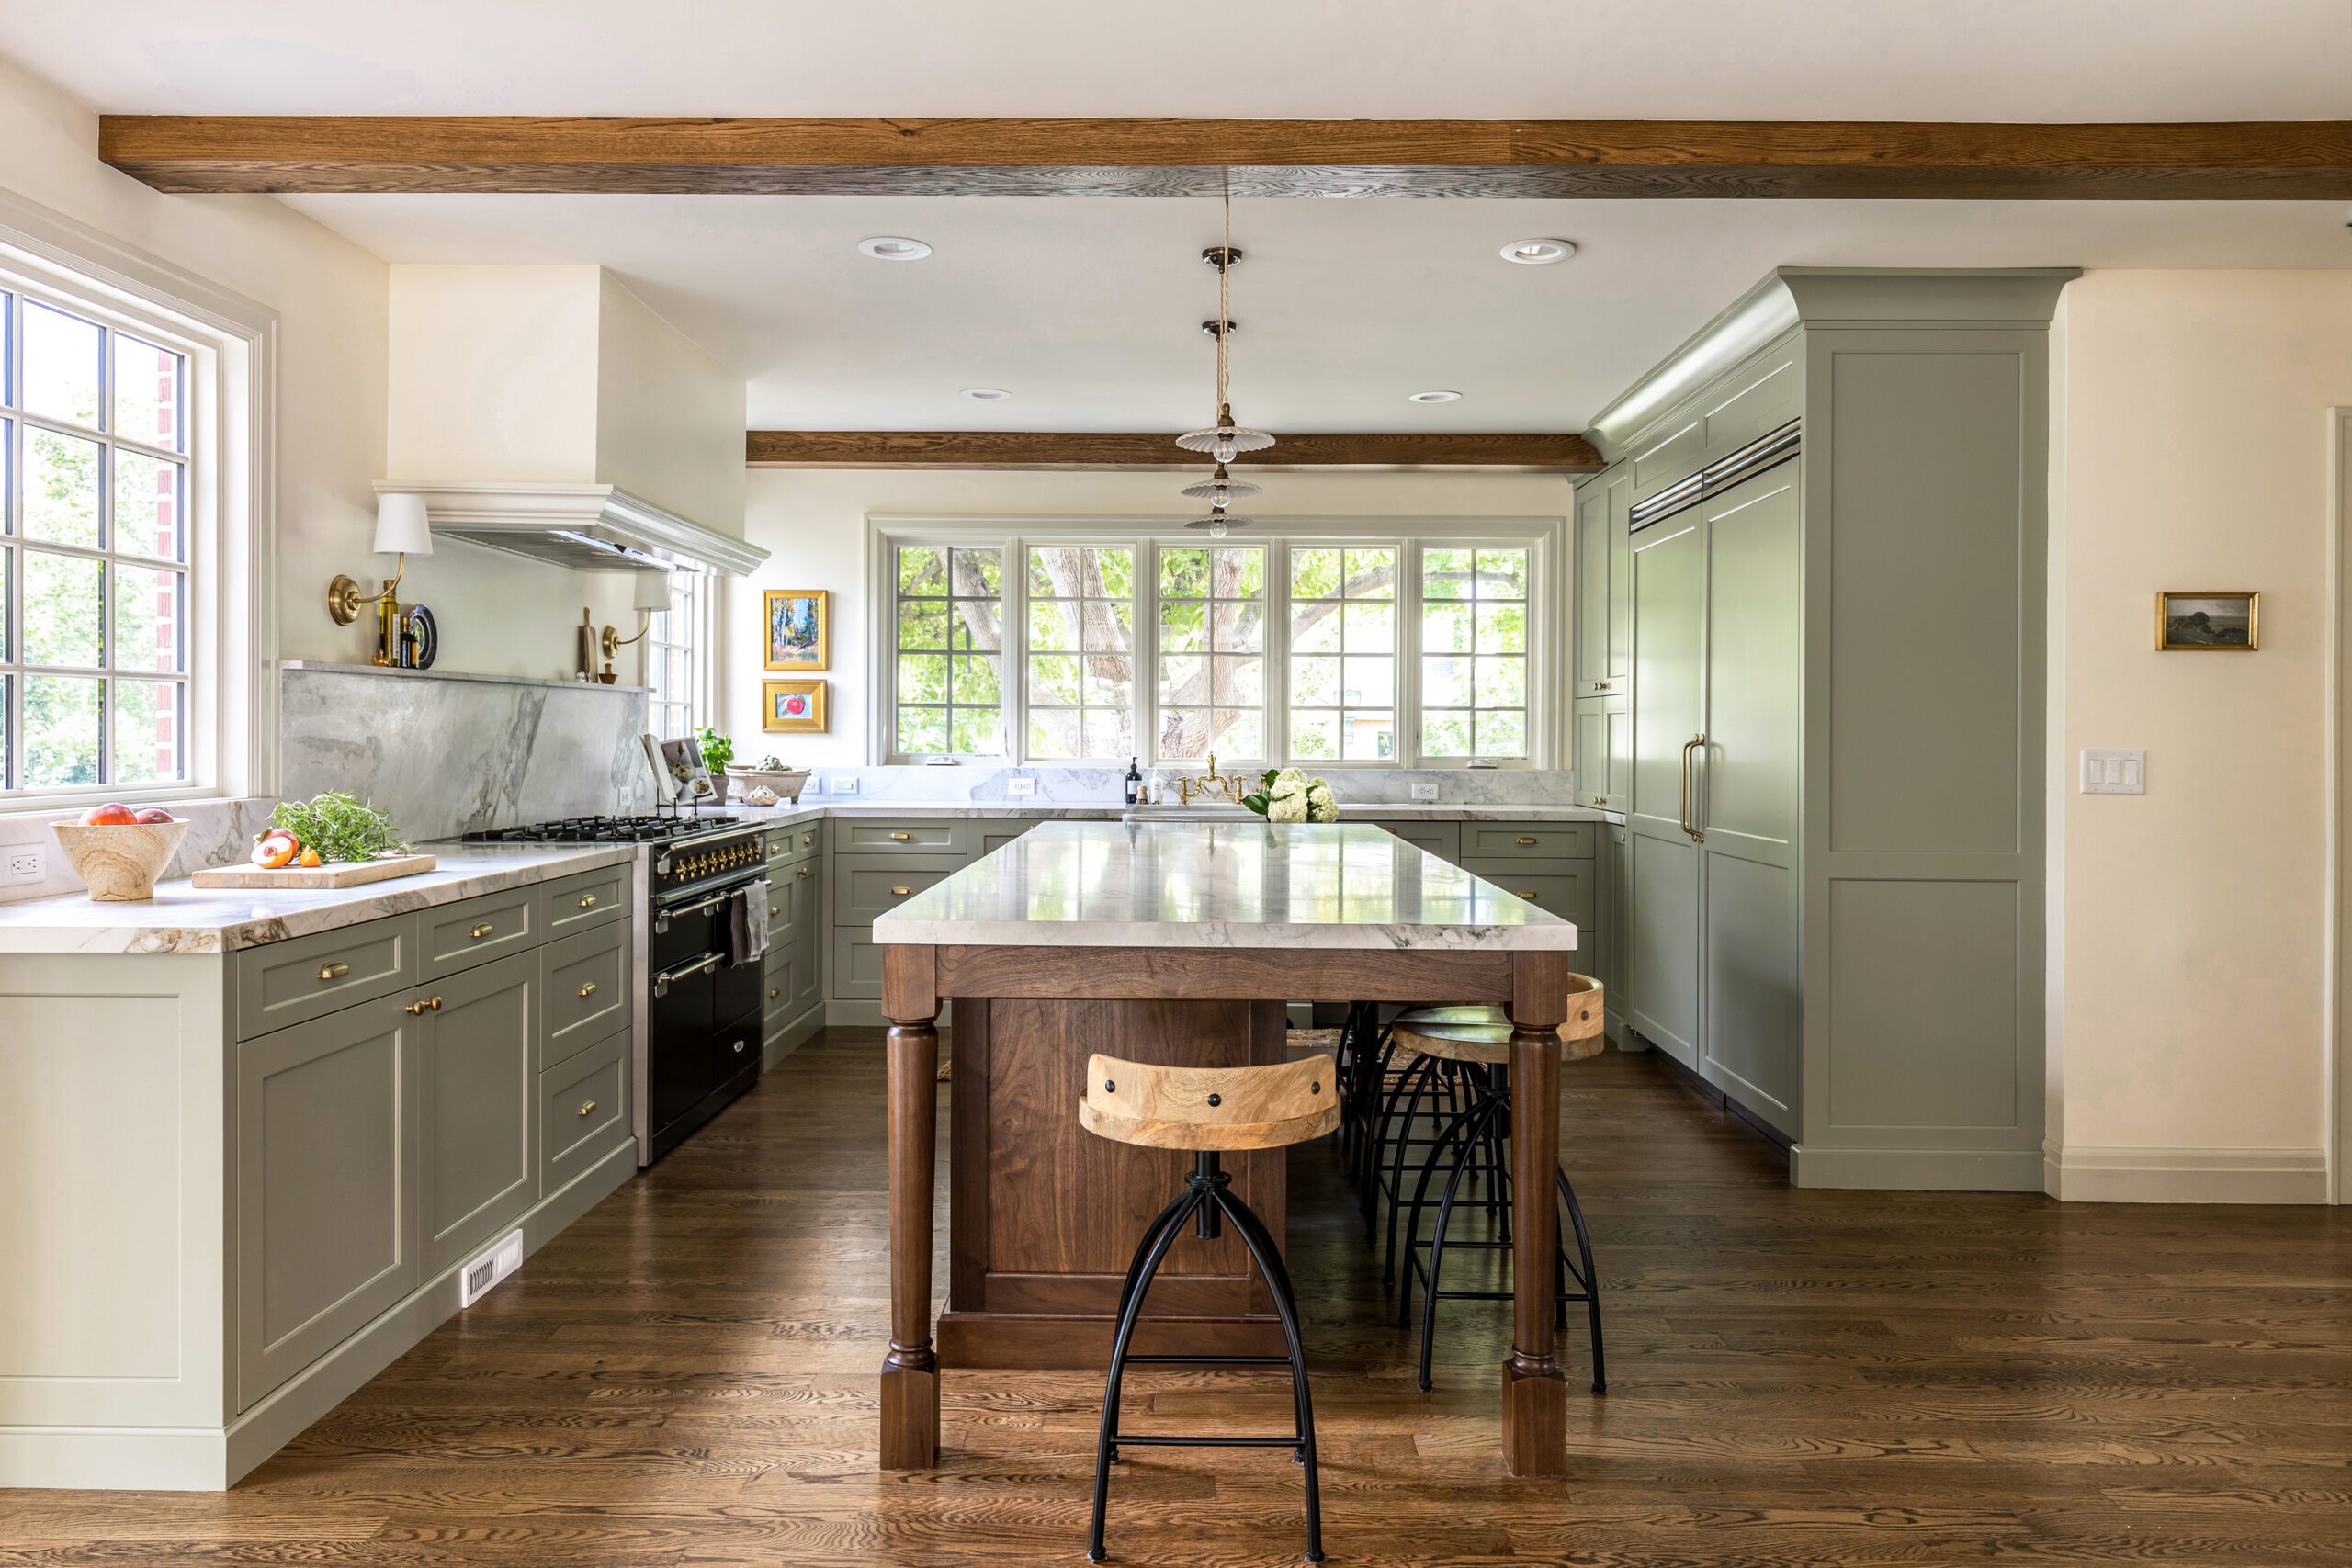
(793, 706)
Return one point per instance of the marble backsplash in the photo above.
(1394, 786)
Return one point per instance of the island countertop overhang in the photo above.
(1255, 884)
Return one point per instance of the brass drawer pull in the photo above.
(901, 838)
(802, 871)
(333, 971)
(421, 1006)
(587, 989)
(1601, 800)
(1526, 841)
(481, 930)
(587, 1106)
(901, 892)
(1527, 893)
(1600, 685)
(587, 900)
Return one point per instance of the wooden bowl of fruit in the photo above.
(119, 852)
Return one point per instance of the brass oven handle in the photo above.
(1690, 789)
(587, 1106)
(587, 989)
(587, 900)
(481, 930)
(333, 971)
(901, 838)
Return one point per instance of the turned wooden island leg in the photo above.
(910, 1372)
(1536, 1393)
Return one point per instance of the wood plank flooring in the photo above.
(687, 1376)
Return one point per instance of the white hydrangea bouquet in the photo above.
(1289, 795)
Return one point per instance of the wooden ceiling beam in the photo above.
(1157, 449)
(2195, 161)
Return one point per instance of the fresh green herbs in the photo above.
(339, 826)
(717, 749)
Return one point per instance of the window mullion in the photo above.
(1145, 653)
(1408, 654)
(1277, 646)
(1013, 680)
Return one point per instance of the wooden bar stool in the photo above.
(1479, 1039)
(1209, 1110)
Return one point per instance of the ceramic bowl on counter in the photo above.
(120, 860)
(787, 782)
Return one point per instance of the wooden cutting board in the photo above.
(344, 874)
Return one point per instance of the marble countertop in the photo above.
(812, 808)
(1217, 884)
(183, 917)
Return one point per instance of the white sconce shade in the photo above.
(400, 524)
(652, 592)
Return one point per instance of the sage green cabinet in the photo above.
(327, 1186)
(991, 834)
(1658, 978)
(1604, 751)
(479, 1049)
(793, 989)
(1442, 839)
(1603, 664)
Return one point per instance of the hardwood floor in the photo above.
(688, 1376)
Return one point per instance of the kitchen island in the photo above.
(1173, 944)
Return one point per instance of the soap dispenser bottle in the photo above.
(1135, 780)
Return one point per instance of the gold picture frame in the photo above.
(793, 707)
(2207, 621)
(796, 628)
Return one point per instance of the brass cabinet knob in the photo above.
(333, 971)
(802, 871)
(1601, 800)
(415, 1008)
(587, 989)
(1527, 841)
(901, 892)
(435, 1003)
(1600, 685)
(773, 910)
(587, 1106)
(481, 930)
(587, 900)
(771, 993)
(808, 839)
(901, 838)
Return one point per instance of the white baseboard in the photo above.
(2077, 1174)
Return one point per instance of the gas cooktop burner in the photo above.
(602, 830)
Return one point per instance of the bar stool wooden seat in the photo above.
(1209, 1110)
(1478, 1039)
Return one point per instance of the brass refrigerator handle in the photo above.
(1689, 789)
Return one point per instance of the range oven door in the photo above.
(701, 1050)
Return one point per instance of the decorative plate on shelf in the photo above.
(424, 636)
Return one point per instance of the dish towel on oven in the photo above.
(747, 922)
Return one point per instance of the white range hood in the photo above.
(588, 527)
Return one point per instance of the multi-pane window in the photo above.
(1081, 650)
(94, 551)
(1343, 653)
(1474, 651)
(674, 638)
(1212, 651)
(950, 642)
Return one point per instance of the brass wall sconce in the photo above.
(401, 530)
(652, 598)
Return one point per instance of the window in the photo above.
(1082, 652)
(1402, 651)
(94, 551)
(1212, 651)
(949, 643)
(1474, 652)
(1343, 654)
(675, 660)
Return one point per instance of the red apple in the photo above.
(154, 814)
(111, 815)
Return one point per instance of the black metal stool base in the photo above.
(1207, 1203)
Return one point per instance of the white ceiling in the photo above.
(1088, 309)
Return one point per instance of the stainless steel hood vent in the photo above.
(587, 527)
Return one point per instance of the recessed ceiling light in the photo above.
(987, 394)
(1432, 397)
(894, 247)
(1539, 252)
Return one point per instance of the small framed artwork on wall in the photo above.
(795, 625)
(2208, 621)
(793, 706)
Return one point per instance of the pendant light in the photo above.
(1221, 490)
(1217, 523)
(1226, 439)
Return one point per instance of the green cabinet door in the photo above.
(1604, 751)
(1659, 967)
(481, 1167)
(1603, 597)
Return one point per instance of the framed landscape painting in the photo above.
(793, 706)
(797, 630)
(2207, 621)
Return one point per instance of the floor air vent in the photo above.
(475, 1280)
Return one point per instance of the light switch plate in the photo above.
(1020, 786)
(844, 783)
(2115, 773)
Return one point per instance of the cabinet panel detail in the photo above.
(481, 1087)
(308, 976)
(461, 935)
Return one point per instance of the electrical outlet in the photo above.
(24, 865)
(1425, 792)
(1020, 786)
(844, 783)
(2115, 773)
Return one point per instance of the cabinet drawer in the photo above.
(310, 977)
(585, 980)
(902, 835)
(987, 837)
(1442, 839)
(785, 845)
(584, 1111)
(857, 964)
(590, 898)
(1567, 895)
(780, 982)
(479, 930)
(862, 892)
(1526, 841)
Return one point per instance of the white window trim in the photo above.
(1544, 537)
(231, 505)
(702, 691)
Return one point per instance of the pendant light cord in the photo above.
(1225, 299)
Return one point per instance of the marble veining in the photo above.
(1215, 884)
(978, 784)
(183, 917)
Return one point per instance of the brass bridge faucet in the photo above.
(1211, 785)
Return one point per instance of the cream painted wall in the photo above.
(669, 420)
(493, 374)
(2189, 959)
(812, 523)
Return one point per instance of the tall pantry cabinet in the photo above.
(1826, 730)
